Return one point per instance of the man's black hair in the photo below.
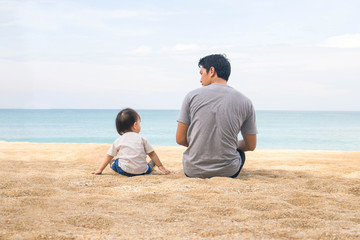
(220, 63)
(125, 120)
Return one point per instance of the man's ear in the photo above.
(212, 72)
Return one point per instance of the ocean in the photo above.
(307, 130)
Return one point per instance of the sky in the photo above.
(285, 55)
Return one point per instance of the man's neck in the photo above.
(220, 81)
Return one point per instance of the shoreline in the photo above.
(47, 191)
(170, 146)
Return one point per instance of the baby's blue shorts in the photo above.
(118, 169)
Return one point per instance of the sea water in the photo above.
(308, 130)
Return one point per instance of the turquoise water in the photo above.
(277, 129)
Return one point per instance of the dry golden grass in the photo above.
(47, 192)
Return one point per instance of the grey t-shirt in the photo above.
(215, 114)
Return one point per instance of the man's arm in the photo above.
(181, 133)
(248, 143)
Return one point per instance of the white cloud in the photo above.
(186, 47)
(196, 47)
(342, 41)
(191, 47)
(114, 14)
(142, 50)
(76, 50)
(64, 18)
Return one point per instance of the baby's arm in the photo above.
(157, 162)
(103, 165)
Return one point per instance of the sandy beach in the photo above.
(47, 192)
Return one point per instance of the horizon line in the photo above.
(172, 109)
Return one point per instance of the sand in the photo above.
(47, 192)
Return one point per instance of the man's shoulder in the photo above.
(190, 95)
(195, 91)
(236, 93)
(208, 91)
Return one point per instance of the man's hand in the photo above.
(164, 170)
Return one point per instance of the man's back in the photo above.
(215, 115)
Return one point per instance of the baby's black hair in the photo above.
(125, 120)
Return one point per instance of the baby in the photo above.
(130, 148)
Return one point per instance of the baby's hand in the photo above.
(164, 170)
(96, 172)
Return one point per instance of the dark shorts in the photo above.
(118, 169)
(242, 155)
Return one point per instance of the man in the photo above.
(210, 120)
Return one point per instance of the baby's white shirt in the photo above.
(131, 148)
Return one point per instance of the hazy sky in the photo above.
(285, 55)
